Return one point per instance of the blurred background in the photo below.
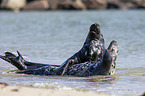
(17, 5)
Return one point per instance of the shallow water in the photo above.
(53, 36)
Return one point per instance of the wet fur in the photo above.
(92, 49)
(106, 66)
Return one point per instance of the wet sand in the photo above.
(6, 90)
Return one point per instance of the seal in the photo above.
(92, 50)
(106, 66)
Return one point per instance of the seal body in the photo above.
(92, 49)
(91, 59)
(106, 66)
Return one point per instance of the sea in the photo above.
(51, 37)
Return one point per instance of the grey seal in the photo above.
(106, 66)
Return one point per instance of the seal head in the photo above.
(94, 31)
(109, 59)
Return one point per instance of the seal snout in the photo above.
(95, 27)
(113, 45)
(113, 48)
(94, 32)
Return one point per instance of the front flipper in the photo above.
(62, 69)
(70, 62)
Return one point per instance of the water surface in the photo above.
(53, 36)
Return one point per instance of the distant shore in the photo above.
(18, 5)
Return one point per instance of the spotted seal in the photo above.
(92, 50)
(106, 66)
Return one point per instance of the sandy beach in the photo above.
(6, 90)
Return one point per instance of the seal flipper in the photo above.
(17, 61)
(21, 63)
(20, 55)
(70, 62)
(32, 65)
(9, 54)
(5, 58)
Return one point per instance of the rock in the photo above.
(136, 4)
(95, 4)
(15, 5)
(80, 4)
(125, 4)
(3, 84)
(37, 5)
(113, 4)
(53, 4)
(66, 4)
(71, 4)
(0, 3)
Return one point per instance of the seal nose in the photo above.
(95, 27)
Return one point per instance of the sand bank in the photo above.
(27, 91)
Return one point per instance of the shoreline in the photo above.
(28, 91)
(6, 90)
